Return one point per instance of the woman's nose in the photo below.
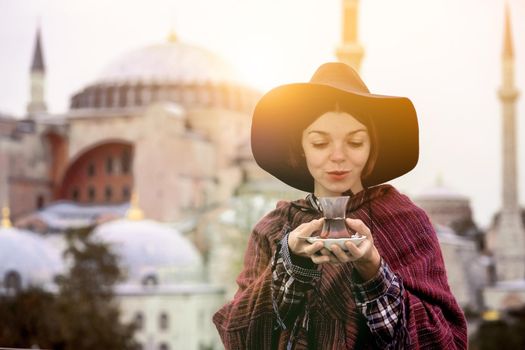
(337, 154)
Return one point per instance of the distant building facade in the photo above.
(169, 123)
(459, 237)
(166, 121)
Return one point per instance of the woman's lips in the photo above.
(338, 174)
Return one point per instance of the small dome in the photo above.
(440, 192)
(150, 250)
(29, 256)
(168, 63)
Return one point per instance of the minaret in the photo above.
(350, 51)
(510, 239)
(38, 72)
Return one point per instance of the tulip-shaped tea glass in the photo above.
(334, 229)
(334, 210)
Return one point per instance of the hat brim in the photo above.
(285, 109)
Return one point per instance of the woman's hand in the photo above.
(365, 257)
(297, 242)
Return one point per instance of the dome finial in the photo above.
(172, 37)
(134, 212)
(6, 223)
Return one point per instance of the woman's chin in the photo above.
(336, 189)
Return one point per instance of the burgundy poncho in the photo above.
(406, 242)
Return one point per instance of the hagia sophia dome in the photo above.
(168, 63)
(172, 71)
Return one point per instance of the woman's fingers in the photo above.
(320, 259)
(306, 229)
(360, 227)
(296, 240)
(340, 254)
(336, 255)
(356, 252)
(330, 255)
(312, 226)
(311, 249)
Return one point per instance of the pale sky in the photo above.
(444, 55)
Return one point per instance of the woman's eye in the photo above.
(319, 144)
(355, 144)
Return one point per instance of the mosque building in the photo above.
(169, 124)
(103, 147)
(166, 293)
(460, 240)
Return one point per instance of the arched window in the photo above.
(91, 194)
(139, 320)
(125, 193)
(163, 321)
(131, 96)
(125, 162)
(12, 282)
(75, 194)
(109, 165)
(98, 94)
(138, 95)
(108, 193)
(150, 280)
(109, 96)
(123, 90)
(40, 202)
(91, 169)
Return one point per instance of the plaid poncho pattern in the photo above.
(287, 303)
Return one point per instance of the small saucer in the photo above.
(328, 242)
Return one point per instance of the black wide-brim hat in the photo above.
(284, 112)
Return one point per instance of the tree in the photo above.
(83, 315)
(28, 319)
(88, 314)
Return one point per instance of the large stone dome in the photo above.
(151, 252)
(27, 259)
(168, 63)
(170, 72)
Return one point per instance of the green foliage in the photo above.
(27, 320)
(82, 315)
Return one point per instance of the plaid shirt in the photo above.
(285, 301)
(380, 299)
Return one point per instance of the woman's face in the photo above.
(336, 147)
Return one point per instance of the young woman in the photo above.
(331, 137)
